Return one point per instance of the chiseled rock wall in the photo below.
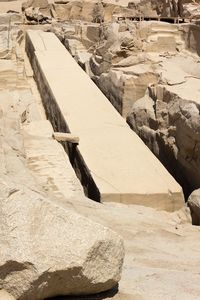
(124, 70)
(124, 89)
(192, 37)
(90, 11)
(169, 125)
(121, 65)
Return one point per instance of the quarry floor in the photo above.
(162, 249)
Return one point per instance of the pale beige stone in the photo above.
(127, 85)
(48, 162)
(101, 158)
(194, 205)
(53, 251)
(191, 38)
(10, 37)
(161, 259)
(172, 123)
(65, 137)
(32, 219)
(5, 6)
(5, 295)
(35, 3)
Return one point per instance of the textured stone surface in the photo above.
(128, 59)
(161, 261)
(194, 205)
(123, 89)
(121, 65)
(192, 9)
(158, 190)
(170, 124)
(49, 163)
(92, 10)
(53, 251)
(37, 236)
(5, 295)
(10, 35)
(37, 11)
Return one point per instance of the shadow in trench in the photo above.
(100, 296)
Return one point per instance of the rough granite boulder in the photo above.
(169, 126)
(37, 11)
(91, 11)
(48, 251)
(5, 295)
(35, 3)
(194, 205)
(8, 46)
(192, 10)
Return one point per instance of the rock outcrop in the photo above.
(46, 249)
(91, 11)
(192, 10)
(121, 64)
(5, 295)
(37, 11)
(167, 8)
(129, 59)
(162, 261)
(194, 205)
(53, 251)
(167, 119)
(99, 11)
(10, 36)
(102, 182)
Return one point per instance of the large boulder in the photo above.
(142, 118)
(173, 133)
(48, 251)
(5, 295)
(9, 43)
(35, 3)
(37, 11)
(194, 205)
(36, 15)
(165, 8)
(8, 19)
(124, 88)
(192, 10)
